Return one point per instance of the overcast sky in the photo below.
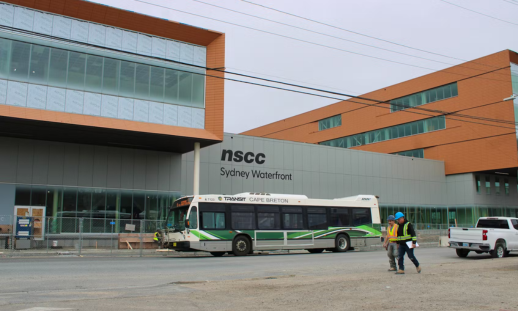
(430, 25)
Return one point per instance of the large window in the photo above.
(268, 217)
(361, 216)
(421, 98)
(497, 185)
(416, 153)
(243, 217)
(340, 217)
(330, 122)
(317, 218)
(388, 133)
(292, 218)
(488, 185)
(213, 220)
(477, 183)
(506, 186)
(81, 71)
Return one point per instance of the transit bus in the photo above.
(248, 222)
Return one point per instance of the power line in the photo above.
(511, 2)
(358, 33)
(441, 113)
(351, 31)
(499, 19)
(323, 34)
(318, 44)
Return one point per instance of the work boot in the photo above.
(392, 269)
(418, 269)
(400, 272)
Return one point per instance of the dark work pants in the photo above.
(403, 248)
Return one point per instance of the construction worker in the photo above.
(390, 243)
(156, 237)
(406, 233)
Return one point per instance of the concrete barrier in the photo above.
(443, 241)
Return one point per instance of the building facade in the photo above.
(97, 105)
(465, 116)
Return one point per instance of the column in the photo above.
(196, 186)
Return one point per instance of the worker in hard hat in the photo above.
(390, 243)
(407, 241)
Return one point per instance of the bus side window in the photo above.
(243, 217)
(193, 218)
(317, 218)
(268, 217)
(339, 217)
(292, 218)
(213, 216)
(362, 216)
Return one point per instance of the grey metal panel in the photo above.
(298, 177)
(204, 182)
(314, 165)
(152, 171)
(259, 147)
(306, 183)
(315, 185)
(236, 183)
(269, 151)
(278, 151)
(177, 173)
(86, 165)
(288, 156)
(331, 161)
(365, 159)
(190, 178)
(164, 170)
(71, 165)
(338, 164)
(40, 172)
(204, 154)
(298, 163)
(354, 164)
(183, 186)
(289, 185)
(8, 159)
(323, 160)
(100, 175)
(306, 157)
(113, 179)
(56, 163)
(127, 168)
(323, 185)
(25, 161)
(258, 185)
(340, 186)
(7, 195)
(248, 145)
(139, 167)
(247, 184)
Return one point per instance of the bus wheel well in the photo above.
(501, 241)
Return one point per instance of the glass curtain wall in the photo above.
(49, 66)
(388, 133)
(330, 122)
(416, 153)
(99, 207)
(422, 98)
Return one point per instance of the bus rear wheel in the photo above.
(315, 250)
(217, 254)
(241, 246)
(341, 243)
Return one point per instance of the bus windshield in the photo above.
(176, 216)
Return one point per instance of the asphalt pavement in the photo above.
(76, 283)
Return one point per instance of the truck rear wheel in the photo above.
(463, 253)
(499, 251)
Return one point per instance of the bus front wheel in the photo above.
(241, 246)
(341, 243)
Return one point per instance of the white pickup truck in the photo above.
(497, 236)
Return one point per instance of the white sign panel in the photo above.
(156, 112)
(96, 34)
(125, 110)
(173, 50)
(23, 18)
(129, 227)
(6, 15)
(159, 47)
(37, 96)
(109, 106)
(144, 44)
(184, 116)
(3, 91)
(141, 111)
(61, 27)
(74, 101)
(186, 53)
(16, 93)
(129, 41)
(113, 38)
(42, 23)
(79, 31)
(198, 118)
(170, 115)
(200, 56)
(92, 104)
(56, 99)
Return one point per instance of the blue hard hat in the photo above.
(391, 217)
(399, 215)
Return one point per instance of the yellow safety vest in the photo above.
(156, 236)
(406, 236)
(392, 234)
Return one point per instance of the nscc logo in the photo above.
(239, 156)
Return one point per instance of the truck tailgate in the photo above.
(466, 234)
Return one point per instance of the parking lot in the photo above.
(345, 281)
